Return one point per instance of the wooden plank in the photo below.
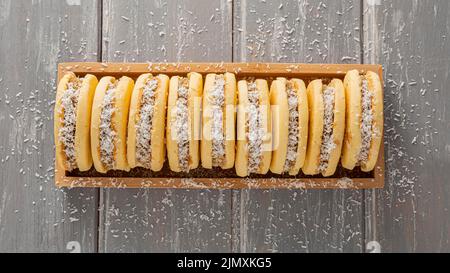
(35, 216)
(155, 220)
(412, 41)
(266, 69)
(297, 220)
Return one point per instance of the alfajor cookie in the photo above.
(290, 117)
(218, 121)
(147, 121)
(254, 139)
(364, 120)
(326, 127)
(109, 123)
(72, 117)
(184, 122)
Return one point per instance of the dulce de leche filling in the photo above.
(107, 131)
(145, 122)
(66, 134)
(255, 130)
(328, 144)
(216, 100)
(366, 121)
(182, 123)
(293, 136)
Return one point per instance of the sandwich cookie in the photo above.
(364, 120)
(326, 127)
(72, 118)
(289, 105)
(254, 143)
(218, 121)
(109, 123)
(184, 122)
(147, 121)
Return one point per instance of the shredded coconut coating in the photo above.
(144, 124)
(366, 121)
(328, 144)
(66, 133)
(255, 132)
(182, 124)
(293, 137)
(107, 132)
(217, 100)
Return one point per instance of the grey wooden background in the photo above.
(410, 38)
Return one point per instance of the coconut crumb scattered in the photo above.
(293, 137)
(366, 121)
(66, 133)
(328, 144)
(107, 132)
(217, 100)
(182, 123)
(144, 124)
(255, 131)
(345, 183)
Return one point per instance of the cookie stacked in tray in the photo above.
(260, 125)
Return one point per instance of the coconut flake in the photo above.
(328, 144)
(293, 137)
(66, 134)
(182, 124)
(255, 130)
(216, 99)
(107, 132)
(366, 121)
(144, 125)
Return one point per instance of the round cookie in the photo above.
(109, 134)
(355, 90)
(219, 93)
(284, 92)
(146, 122)
(324, 157)
(244, 163)
(192, 89)
(81, 154)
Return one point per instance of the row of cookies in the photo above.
(116, 124)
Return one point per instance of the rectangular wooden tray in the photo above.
(216, 178)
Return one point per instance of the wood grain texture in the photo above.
(166, 220)
(412, 41)
(34, 214)
(297, 220)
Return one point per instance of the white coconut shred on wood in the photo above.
(66, 134)
(366, 121)
(293, 136)
(255, 132)
(328, 144)
(182, 124)
(216, 99)
(145, 122)
(107, 132)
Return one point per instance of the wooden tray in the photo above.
(217, 178)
